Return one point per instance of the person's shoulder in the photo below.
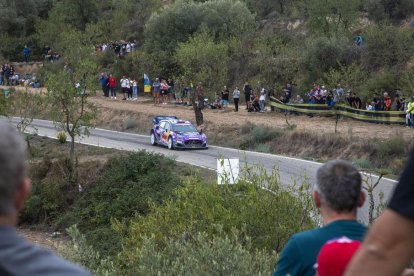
(23, 258)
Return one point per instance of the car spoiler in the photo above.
(156, 120)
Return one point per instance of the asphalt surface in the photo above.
(290, 169)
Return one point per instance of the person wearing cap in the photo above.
(389, 245)
(337, 194)
(17, 256)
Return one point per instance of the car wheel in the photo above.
(153, 139)
(170, 143)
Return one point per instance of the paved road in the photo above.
(290, 169)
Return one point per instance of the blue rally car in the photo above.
(176, 134)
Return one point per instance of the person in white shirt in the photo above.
(124, 87)
(236, 98)
(262, 100)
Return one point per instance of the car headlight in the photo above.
(179, 136)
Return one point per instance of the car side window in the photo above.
(162, 125)
(167, 127)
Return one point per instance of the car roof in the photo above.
(178, 122)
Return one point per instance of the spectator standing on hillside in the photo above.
(134, 90)
(410, 112)
(337, 194)
(26, 53)
(164, 91)
(17, 256)
(112, 86)
(7, 74)
(236, 98)
(262, 100)
(247, 92)
(124, 87)
(225, 97)
(387, 102)
(339, 94)
(288, 92)
(103, 79)
(156, 88)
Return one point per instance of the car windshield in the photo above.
(184, 128)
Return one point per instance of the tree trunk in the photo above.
(198, 110)
(72, 165)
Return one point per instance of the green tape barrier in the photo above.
(386, 117)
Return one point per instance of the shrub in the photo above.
(61, 136)
(130, 124)
(269, 216)
(221, 255)
(387, 46)
(125, 189)
(395, 146)
(324, 54)
(49, 197)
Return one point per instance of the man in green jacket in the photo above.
(337, 194)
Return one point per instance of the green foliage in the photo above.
(395, 146)
(225, 19)
(275, 61)
(268, 216)
(407, 81)
(61, 136)
(221, 255)
(378, 84)
(332, 17)
(81, 252)
(200, 255)
(266, 8)
(257, 135)
(394, 10)
(351, 77)
(125, 189)
(387, 46)
(25, 105)
(324, 54)
(203, 60)
(49, 197)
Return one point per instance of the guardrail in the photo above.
(386, 117)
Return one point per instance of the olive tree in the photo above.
(203, 61)
(68, 87)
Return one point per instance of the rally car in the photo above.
(173, 133)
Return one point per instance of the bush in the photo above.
(61, 136)
(125, 189)
(395, 146)
(49, 197)
(324, 54)
(269, 216)
(130, 123)
(387, 46)
(221, 255)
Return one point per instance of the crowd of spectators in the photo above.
(380, 102)
(129, 87)
(9, 77)
(120, 48)
(50, 55)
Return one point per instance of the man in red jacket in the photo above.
(112, 86)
